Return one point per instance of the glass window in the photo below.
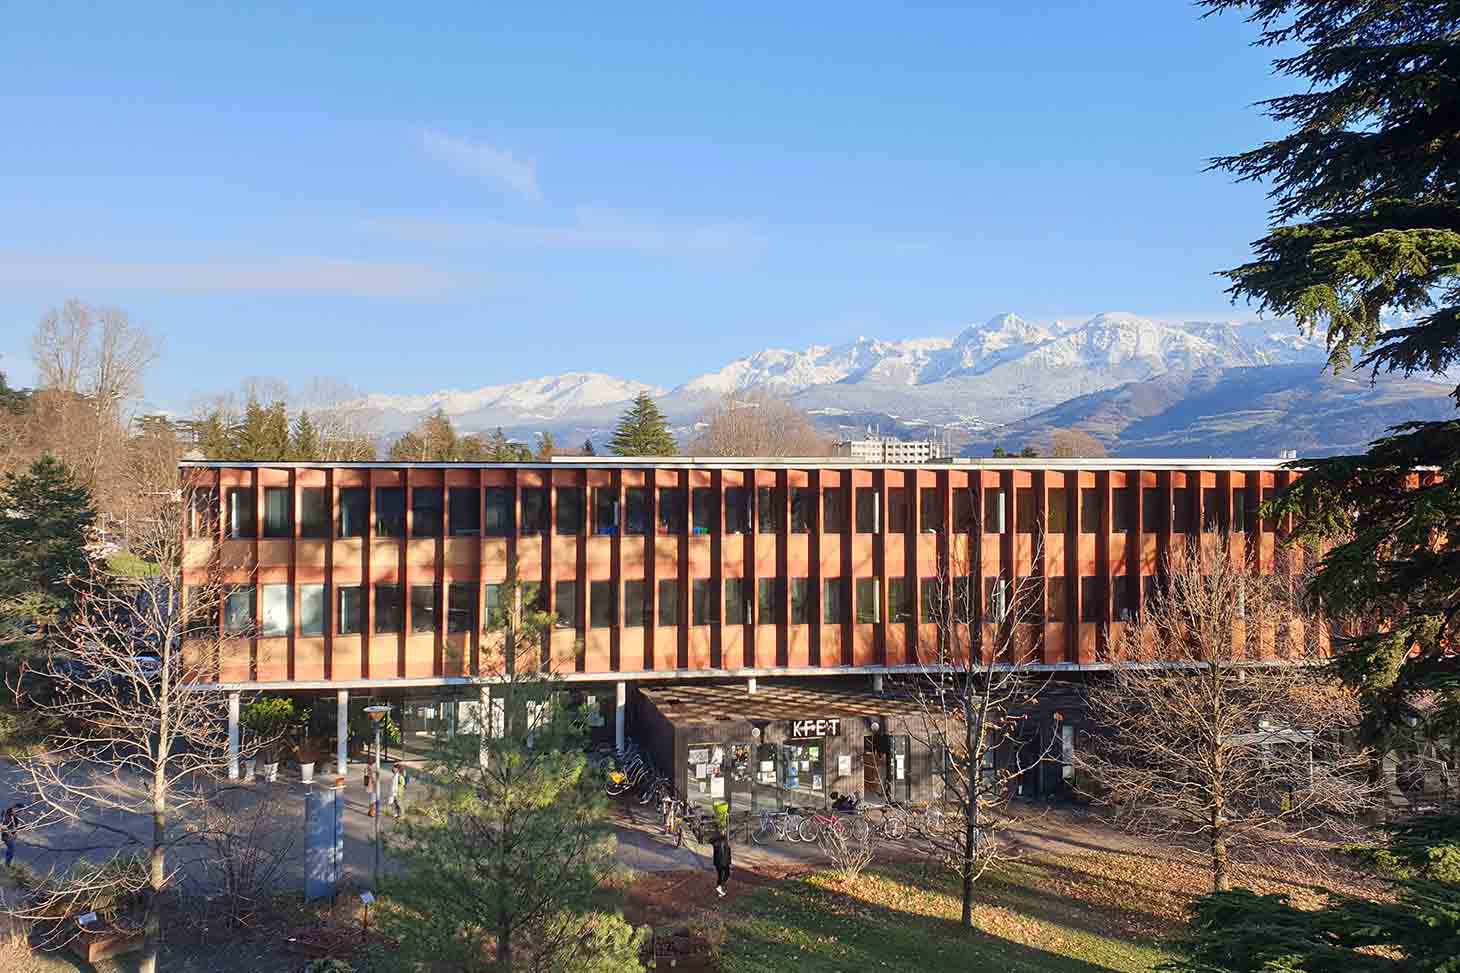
(768, 600)
(737, 604)
(869, 510)
(238, 610)
(1181, 511)
(802, 510)
(1153, 519)
(671, 510)
(668, 604)
(496, 614)
(276, 612)
(1091, 607)
(1024, 510)
(390, 512)
(994, 511)
(897, 512)
(767, 507)
(800, 601)
(802, 769)
(636, 598)
(1124, 595)
(1239, 511)
(426, 503)
(352, 610)
(1269, 524)
(388, 609)
(1123, 509)
(1057, 511)
(605, 511)
(354, 511)
(737, 510)
(702, 510)
(569, 512)
(995, 601)
(869, 601)
(964, 521)
(705, 602)
(312, 609)
(930, 511)
(534, 600)
(636, 511)
(240, 512)
(534, 510)
(498, 504)
(1089, 510)
(424, 599)
(314, 513)
(461, 607)
(899, 600)
(965, 600)
(1057, 599)
(834, 510)
(568, 613)
(278, 518)
(602, 604)
(834, 601)
(1028, 600)
(464, 511)
(932, 601)
(202, 613)
(1212, 511)
(202, 513)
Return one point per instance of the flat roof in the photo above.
(777, 462)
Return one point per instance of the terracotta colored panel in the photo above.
(345, 657)
(237, 555)
(831, 556)
(798, 553)
(384, 660)
(309, 556)
(494, 559)
(600, 478)
(196, 554)
(384, 560)
(864, 645)
(732, 647)
(272, 574)
(420, 554)
(198, 662)
(600, 558)
(666, 557)
(926, 651)
(529, 558)
(1054, 554)
(765, 562)
(831, 645)
(1088, 635)
(309, 658)
(233, 661)
(732, 555)
(631, 649)
(563, 646)
(699, 557)
(632, 557)
(699, 648)
(1026, 644)
(928, 555)
(896, 550)
(595, 650)
(666, 650)
(497, 477)
(1055, 637)
(565, 557)
(897, 653)
(862, 556)
(765, 646)
(455, 654)
(960, 549)
(273, 660)
(799, 647)
(420, 655)
(462, 550)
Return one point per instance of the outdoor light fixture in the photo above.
(755, 732)
(377, 714)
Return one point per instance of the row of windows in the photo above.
(1027, 600)
(472, 512)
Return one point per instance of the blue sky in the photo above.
(451, 195)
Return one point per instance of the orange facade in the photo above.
(824, 566)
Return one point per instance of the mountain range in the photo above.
(1141, 385)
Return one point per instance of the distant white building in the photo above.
(876, 448)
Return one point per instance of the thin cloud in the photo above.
(289, 276)
(482, 159)
(595, 230)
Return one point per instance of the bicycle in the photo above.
(813, 825)
(780, 825)
(890, 823)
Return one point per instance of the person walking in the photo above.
(9, 828)
(398, 791)
(721, 844)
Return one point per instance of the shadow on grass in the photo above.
(823, 930)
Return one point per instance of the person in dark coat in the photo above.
(721, 845)
(9, 828)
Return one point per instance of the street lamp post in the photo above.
(377, 716)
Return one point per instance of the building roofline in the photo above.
(778, 462)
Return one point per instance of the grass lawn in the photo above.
(897, 918)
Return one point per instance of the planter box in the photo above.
(102, 943)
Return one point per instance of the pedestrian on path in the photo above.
(9, 828)
(721, 844)
(398, 790)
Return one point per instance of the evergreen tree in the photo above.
(47, 514)
(212, 437)
(643, 431)
(1365, 222)
(588, 449)
(306, 444)
(545, 447)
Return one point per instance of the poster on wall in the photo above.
(816, 782)
(898, 770)
(717, 787)
(699, 755)
(844, 765)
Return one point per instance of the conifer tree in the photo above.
(1365, 229)
(643, 431)
(545, 447)
(588, 449)
(305, 445)
(47, 516)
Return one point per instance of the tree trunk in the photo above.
(970, 814)
(156, 874)
(1220, 880)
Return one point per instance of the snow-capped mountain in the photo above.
(1000, 371)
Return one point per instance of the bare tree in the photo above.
(139, 741)
(1215, 723)
(976, 711)
(247, 843)
(757, 422)
(849, 850)
(1065, 443)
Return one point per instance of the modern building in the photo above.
(878, 449)
(672, 579)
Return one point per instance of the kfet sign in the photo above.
(816, 728)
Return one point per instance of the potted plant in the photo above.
(308, 753)
(266, 719)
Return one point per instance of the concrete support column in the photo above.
(876, 682)
(233, 704)
(342, 732)
(620, 701)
